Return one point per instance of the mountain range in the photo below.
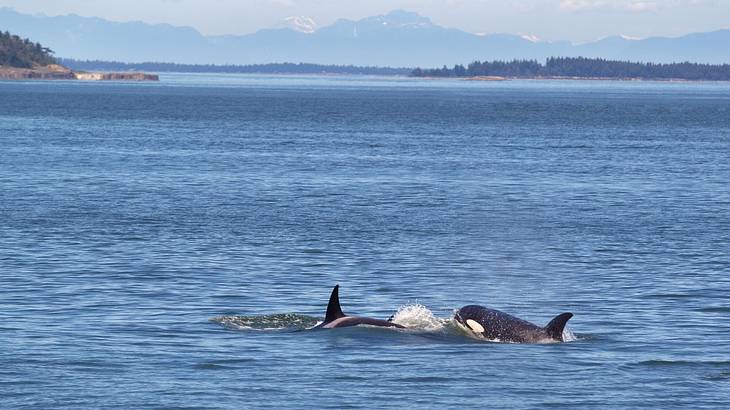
(399, 38)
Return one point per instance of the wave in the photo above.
(683, 363)
(715, 309)
(722, 376)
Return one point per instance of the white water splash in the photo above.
(418, 317)
(568, 335)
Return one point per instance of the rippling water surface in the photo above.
(163, 245)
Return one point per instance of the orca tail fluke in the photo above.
(555, 328)
(334, 311)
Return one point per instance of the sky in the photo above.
(575, 20)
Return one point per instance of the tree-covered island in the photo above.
(21, 58)
(581, 68)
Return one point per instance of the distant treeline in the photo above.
(581, 67)
(274, 68)
(23, 53)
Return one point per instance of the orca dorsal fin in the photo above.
(555, 328)
(334, 311)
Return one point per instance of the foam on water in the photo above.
(419, 317)
(281, 321)
(568, 335)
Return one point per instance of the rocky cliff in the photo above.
(50, 72)
(57, 72)
(129, 76)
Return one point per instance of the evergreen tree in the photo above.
(23, 53)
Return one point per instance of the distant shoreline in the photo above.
(561, 78)
(270, 68)
(565, 78)
(45, 73)
(557, 68)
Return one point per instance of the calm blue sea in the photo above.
(163, 245)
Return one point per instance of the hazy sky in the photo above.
(577, 20)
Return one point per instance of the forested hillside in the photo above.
(23, 53)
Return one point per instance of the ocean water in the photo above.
(166, 245)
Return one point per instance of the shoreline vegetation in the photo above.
(555, 68)
(579, 68)
(271, 68)
(22, 59)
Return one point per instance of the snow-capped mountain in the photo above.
(301, 24)
(399, 38)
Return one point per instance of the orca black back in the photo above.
(492, 324)
(336, 318)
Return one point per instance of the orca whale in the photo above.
(494, 325)
(335, 318)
